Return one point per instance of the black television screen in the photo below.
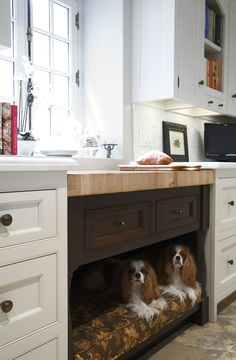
(220, 141)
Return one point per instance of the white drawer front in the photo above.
(226, 206)
(226, 267)
(33, 216)
(31, 286)
(45, 352)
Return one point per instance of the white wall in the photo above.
(102, 69)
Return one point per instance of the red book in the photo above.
(13, 129)
(6, 128)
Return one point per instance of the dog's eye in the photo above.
(131, 271)
(143, 270)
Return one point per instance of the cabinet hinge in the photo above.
(77, 79)
(29, 34)
(77, 20)
(178, 82)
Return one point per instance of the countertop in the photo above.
(34, 163)
(80, 183)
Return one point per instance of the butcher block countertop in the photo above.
(82, 183)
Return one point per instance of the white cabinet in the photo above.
(165, 50)
(175, 66)
(232, 65)
(33, 265)
(5, 24)
(222, 252)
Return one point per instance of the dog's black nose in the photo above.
(177, 257)
(137, 275)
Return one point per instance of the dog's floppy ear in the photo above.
(149, 290)
(189, 270)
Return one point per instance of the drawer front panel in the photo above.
(226, 205)
(109, 226)
(46, 351)
(33, 216)
(176, 213)
(226, 266)
(31, 287)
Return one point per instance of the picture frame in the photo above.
(175, 141)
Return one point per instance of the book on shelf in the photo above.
(213, 26)
(14, 129)
(1, 150)
(212, 69)
(6, 128)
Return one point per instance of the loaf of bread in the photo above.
(154, 157)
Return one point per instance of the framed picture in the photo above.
(175, 141)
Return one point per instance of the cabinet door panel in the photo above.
(225, 207)
(232, 65)
(187, 48)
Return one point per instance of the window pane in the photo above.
(41, 121)
(41, 82)
(59, 122)
(61, 90)
(6, 76)
(41, 14)
(61, 56)
(9, 52)
(40, 49)
(60, 20)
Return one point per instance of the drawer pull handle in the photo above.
(231, 203)
(201, 82)
(230, 262)
(123, 223)
(6, 306)
(6, 219)
(210, 102)
(179, 212)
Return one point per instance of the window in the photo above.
(54, 57)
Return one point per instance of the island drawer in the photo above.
(24, 216)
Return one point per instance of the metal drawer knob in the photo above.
(220, 105)
(179, 212)
(6, 306)
(231, 262)
(234, 96)
(210, 102)
(201, 82)
(123, 223)
(6, 219)
(231, 203)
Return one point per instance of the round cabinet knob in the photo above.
(6, 219)
(201, 82)
(234, 96)
(123, 223)
(6, 306)
(220, 105)
(179, 212)
(231, 203)
(230, 262)
(210, 102)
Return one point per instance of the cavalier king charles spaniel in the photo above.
(136, 284)
(176, 273)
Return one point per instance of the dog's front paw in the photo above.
(159, 304)
(143, 311)
(192, 295)
(181, 295)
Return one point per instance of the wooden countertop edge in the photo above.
(83, 183)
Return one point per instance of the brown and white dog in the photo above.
(136, 284)
(176, 273)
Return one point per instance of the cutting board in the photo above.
(170, 167)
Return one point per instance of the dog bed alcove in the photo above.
(100, 329)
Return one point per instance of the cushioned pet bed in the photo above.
(104, 329)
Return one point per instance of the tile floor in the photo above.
(209, 342)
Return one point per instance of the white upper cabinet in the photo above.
(180, 55)
(5, 24)
(165, 50)
(214, 54)
(232, 62)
